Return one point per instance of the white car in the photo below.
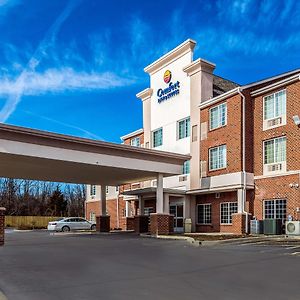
(68, 224)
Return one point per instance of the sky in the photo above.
(74, 67)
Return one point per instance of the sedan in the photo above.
(68, 224)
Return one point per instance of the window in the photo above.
(186, 167)
(148, 211)
(157, 137)
(227, 209)
(184, 129)
(217, 158)
(275, 209)
(275, 150)
(93, 190)
(218, 116)
(204, 213)
(135, 142)
(275, 105)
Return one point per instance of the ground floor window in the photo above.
(275, 209)
(148, 211)
(92, 216)
(227, 209)
(204, 213)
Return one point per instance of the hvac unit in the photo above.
(272, 226)
(256, 227)
(292, 227)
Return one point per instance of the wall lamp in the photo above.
(296, 120)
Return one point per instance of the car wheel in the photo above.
(65, 229)
(93, 227)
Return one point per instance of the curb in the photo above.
(190, 240)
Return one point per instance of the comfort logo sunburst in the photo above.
(167, 76)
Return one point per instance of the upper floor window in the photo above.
(157, 137)
(274, 109)
(186, 167)
(184, 129)
(217, 158)
(93, 190)
(275, 155)
(136, 142)
(218, 116)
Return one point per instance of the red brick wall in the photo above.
(290, 130)
(277, 188)
(215, 212)
(111, 206)
(229, 135)
(141, 136)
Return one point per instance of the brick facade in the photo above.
(161, 224)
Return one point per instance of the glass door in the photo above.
(177, 211)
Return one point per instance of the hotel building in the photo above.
(243, 143)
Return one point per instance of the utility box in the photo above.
(188, 225)
(272, 226)
(256, 227)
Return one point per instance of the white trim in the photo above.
(132, 134)
(287, 173)
(218, 98)
(180, 50)
(275, 85)
(243, 87)
(228, 211)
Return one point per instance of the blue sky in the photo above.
(74, 67)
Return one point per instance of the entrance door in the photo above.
(177, 211)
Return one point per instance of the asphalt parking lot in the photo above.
(38, 265)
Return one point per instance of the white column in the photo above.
(166, 203)
(159, 194)
(128, 212)
(141, 205)
(240, 200)
(103, 200)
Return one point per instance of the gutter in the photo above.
(244, 158)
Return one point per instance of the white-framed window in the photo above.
(218, 116)
(148, 211)
(157, 137)
(135, 142)
(93, 190)
(275, 209)
(274, 110)
(184, 128)
(186, 167)
(217, 158)
(92, 216)
(227, 209)
(204, 214)
(275, 155)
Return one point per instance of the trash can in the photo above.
(188, 225)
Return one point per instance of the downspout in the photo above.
(244, 157)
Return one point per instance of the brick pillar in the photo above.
(238, 223)
(103, 223)
(130, 223)
(161, 224)
(2, 225)
(141, 224)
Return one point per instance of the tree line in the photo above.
(39, 198)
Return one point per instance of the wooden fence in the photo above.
(28, 222)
